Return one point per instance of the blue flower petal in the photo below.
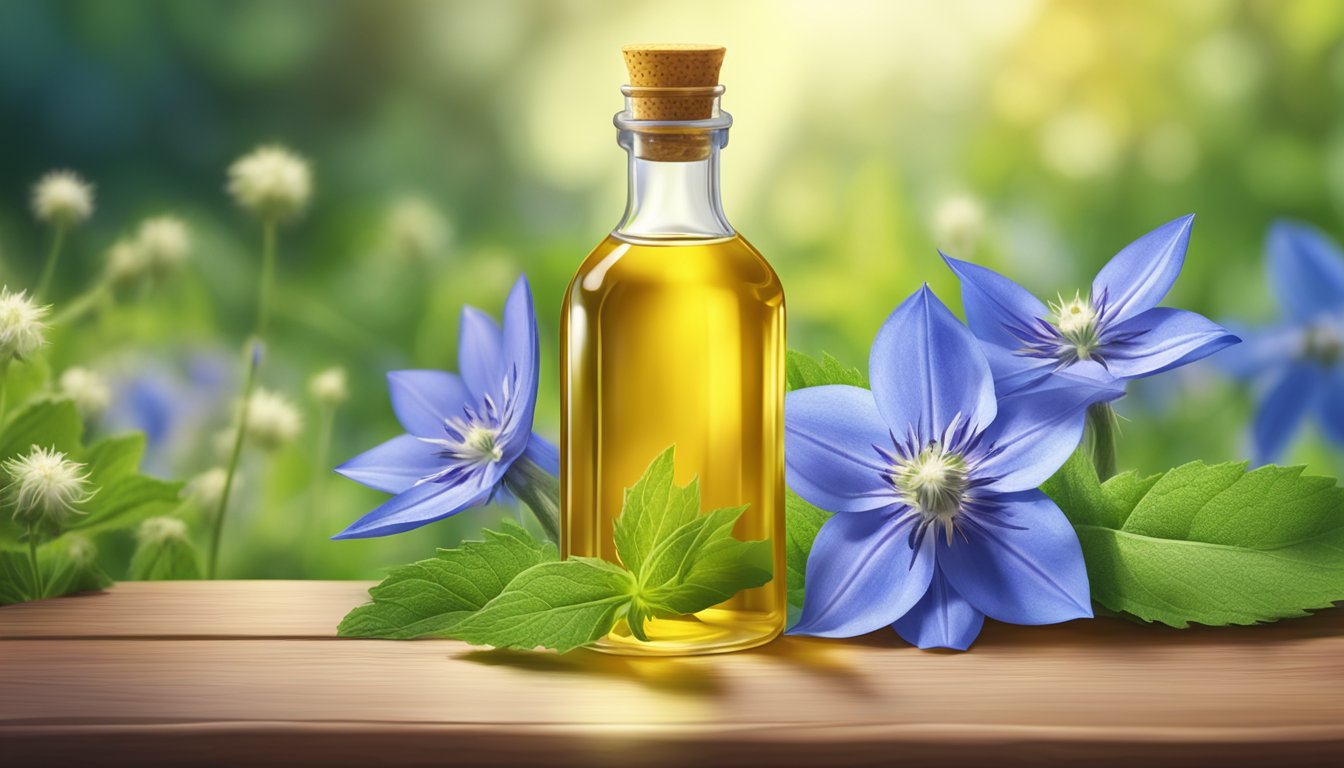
(521, 356)
(394, 466)
(422, 504)
(1161, 339)
(1306, 270)
(863, 574)
(926, 367)
(1013, 372)
(422, 400)
(1030, 573)
(829, 459)
(1261, 351)
(941, 619)
(1332, 406)
(1137, 278)
(543, 453)
(479, 341)
(993, 303)
(1283, 408)
(1037, 429)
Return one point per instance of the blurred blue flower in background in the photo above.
(934, 480)
(469, 434)
(171, 403)
(1118, 326)
(1298, 362)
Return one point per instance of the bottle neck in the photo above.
(673, 176)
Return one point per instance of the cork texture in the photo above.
(673, 66)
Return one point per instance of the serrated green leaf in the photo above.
(802, 522)
(1207, 544)
(426, 599)
(653, 508)
(701, 565)
(167, 559)
(559, 605)
(801, 370)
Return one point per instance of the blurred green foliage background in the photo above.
(455, 144)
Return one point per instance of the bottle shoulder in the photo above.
(729, 263)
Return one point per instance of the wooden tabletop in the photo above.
(251, 673)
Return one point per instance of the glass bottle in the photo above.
(673, 333)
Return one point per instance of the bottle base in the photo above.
(710, 631)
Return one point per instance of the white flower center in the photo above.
(1077, 323)
(934, 484)
(1324, 343)
(483, 443)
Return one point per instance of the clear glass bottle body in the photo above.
(673, 333)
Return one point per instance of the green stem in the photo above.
(49, 269)
(83, 304)
(267, 276)
(536, 488)
(217, 527)
(32, 561)
(1102, 428)
(4, 387)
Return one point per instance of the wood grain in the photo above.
(232, 672)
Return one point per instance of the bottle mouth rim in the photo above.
(718, 120)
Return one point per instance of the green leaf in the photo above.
(560, 605)
(127, 500)
(114, 457)
(802, 522)
(652, 510)
(167, 559)
(49, 422)
(25, 380)
(1207, 544)
(68, 565)
(701, 565)
(801, 371)
(426, 599)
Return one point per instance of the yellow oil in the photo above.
(678, 342)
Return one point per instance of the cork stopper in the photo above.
(673, 66)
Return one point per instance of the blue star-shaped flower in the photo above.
(1117, 326)
(467, 432)
(933, 479)
(1298, 361)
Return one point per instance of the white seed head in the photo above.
(207, 488)
(164, 242)
(87, 389)
(329, 387)
(416, 230)
(157, 530)
(80, 549)
(22, 332)
(272, 420)
(271, 182)
(126, 262)
(62, 198)
(958, 224)
(45, 485)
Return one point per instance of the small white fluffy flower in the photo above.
(329, 387)
(272, 182)
(62, 198)
(157, 530)
(958, 223)
(415, 229)
(207, 488)
(164, 242)
(126, 262)
(46, 485)
(22, 332)
(80, 549)
(272, 420)
(87, 389)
